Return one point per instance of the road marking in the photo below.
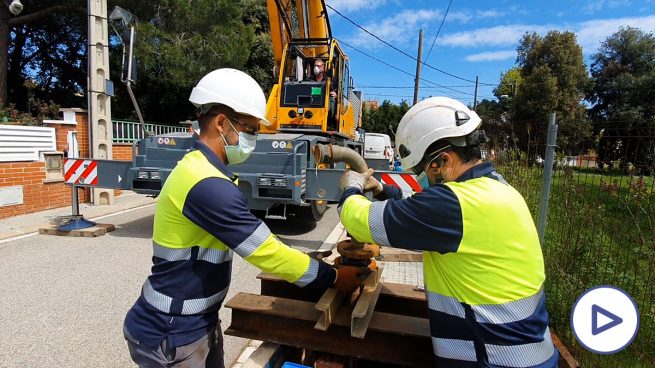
(333, 238)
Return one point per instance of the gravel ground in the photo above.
(63, 299)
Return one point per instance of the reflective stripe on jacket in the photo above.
(201, 219)
(483, 266)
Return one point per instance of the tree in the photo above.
(37, 43)
(177, 42)
(510, 81)
(385, 118)
(623, 72)
(495, 123)
(554, 79)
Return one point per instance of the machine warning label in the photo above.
(282, 144)
(166, 141)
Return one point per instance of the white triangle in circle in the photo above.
(603, 320)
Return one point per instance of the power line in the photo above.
(403, 71)
(401, 51)
(439, 30)
(411, 87)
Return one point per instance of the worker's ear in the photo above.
(220, 121)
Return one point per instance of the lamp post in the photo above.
(123, 23)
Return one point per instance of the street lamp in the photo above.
(122, 21)
(15, 7)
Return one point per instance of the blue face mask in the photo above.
(423, 181)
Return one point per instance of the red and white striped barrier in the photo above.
(406, 182)
(80, 171)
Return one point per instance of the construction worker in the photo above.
(201, 219)
(482, 261)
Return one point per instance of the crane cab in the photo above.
(298, 102)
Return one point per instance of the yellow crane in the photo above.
(301, 35)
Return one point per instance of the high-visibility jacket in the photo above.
(201, 219)
(482, 263)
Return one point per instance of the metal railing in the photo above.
(126, 131)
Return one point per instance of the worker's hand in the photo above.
(373, 185)
(333, 94)
(353, 179)
(349, 278)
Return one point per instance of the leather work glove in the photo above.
(353, 179)
(373, 185)
(349, 278)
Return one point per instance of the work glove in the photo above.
(373, 185)
(349, 278)
(353, 179)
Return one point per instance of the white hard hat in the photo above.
(232, 88)
(431, 120)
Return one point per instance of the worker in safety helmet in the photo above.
(201, 219)
(483, 265)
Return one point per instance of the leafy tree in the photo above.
(623, 71)
(509, 83)
(496, 123)
(177, 42)
(385, 118)
(554, 79)
(260, 63)
(43, 44)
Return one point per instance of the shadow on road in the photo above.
(302, 245)
(140, 228)
(290, 226)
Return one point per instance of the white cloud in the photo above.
(593, 6)
(493, 13)
(592, 33)
(397, 29)
(492, 36)
(352, 5)
(492, 56)
(589, 34)
(404, 26)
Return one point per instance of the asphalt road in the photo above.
(63, 299)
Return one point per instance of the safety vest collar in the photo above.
(213, 159)
(477, 171)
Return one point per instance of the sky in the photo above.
(478, 38)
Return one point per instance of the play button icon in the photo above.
(605, 319)
(596, 310)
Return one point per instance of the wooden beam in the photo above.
(291, 322)
(402, 258)
(564, 352)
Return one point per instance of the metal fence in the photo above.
(126, 131)
(600, 227)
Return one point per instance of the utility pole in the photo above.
(99, 89)
(418, 65)
(475, 98)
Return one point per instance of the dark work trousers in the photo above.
(204, 352)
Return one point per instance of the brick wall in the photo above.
(38, 193)
(121, 152)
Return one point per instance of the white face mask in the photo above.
(317, 70)
(239, 152)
